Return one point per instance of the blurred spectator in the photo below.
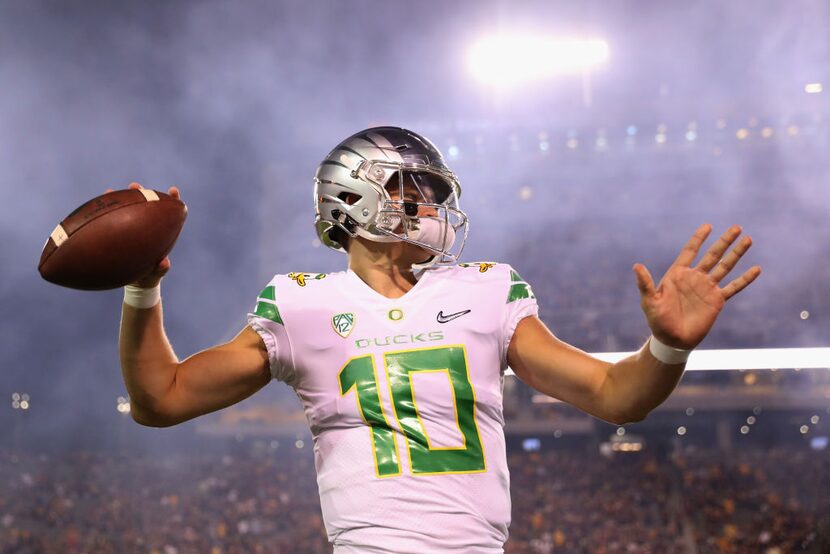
(563, 501)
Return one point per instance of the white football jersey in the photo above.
(404, 400)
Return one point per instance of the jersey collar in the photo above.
(360, 286)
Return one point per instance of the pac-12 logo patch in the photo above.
(343, 324)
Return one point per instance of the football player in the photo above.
(399, 361)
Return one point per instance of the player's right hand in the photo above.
(153, 277)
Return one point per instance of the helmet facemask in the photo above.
(418, 205)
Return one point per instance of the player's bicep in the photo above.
(557, 369)
(218, 377)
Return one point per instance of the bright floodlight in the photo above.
(747, 358)
(506, 60)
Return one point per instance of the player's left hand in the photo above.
(683, 307)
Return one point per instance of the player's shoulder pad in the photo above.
(517, 288)
(304, 279)
(483, 273)
(280, 289)
(480, 267)
(297, 280)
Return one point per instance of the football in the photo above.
(112, 240)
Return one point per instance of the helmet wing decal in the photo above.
(334, 162)
(385, 147)
(355, 152)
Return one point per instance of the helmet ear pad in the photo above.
(339, 236)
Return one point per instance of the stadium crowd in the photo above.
(266, 500)
(772, 501)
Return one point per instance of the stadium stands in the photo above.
(265, 500)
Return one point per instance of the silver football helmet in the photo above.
(389, 184)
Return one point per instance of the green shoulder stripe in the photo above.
(519, 288)
(266, 305)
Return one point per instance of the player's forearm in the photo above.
(638, 384)
(148, 362)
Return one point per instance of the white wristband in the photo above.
(138, 297)
(667, 354)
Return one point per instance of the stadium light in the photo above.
(123, 405)
(20, 401)
(508, 60)
(747, 358)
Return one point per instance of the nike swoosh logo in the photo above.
(449, 317)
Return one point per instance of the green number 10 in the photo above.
(425, 459)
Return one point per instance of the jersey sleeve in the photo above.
(268, 323)
(520, 303)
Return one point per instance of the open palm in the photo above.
(682, 308)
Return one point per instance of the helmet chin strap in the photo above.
(361, 232)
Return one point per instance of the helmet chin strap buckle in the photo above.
(346, 222)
